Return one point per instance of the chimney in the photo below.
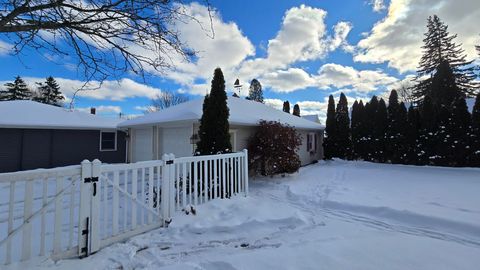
(93, 110)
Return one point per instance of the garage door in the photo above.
(143, 144)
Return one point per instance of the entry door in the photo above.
(143, 144)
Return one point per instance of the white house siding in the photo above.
(305, 156)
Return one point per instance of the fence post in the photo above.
(95, 207)
(171, 186)
(165, 188)
(84, 211)
(245, 152)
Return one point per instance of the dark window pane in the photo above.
(108, 141)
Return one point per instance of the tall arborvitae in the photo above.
(343, 141)
(427, 142)
(362, 132)
(296, 110)
(474, 158)
(17, 90)
(394, 136)
(49, 92)
(355, 126)
(403, 125)
(439, 47)
(214, 126)
(443, 89)
(286, 106)
(459, 129)
(442, 150)
(255, 93)
(369, 125)
(412, 136)
(330, 131)
(379, 130)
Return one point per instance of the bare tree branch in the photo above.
(106, 37)
(165, 100)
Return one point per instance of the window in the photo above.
(108, 141)
(311, 142)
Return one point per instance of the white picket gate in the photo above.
(76, 210)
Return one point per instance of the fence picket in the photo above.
(115, 203)
(184, 184)
(57, 237)
(134, 193)
(150, 192)
(42, 222)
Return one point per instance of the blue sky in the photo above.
(301, 51)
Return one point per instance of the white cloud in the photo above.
(288, 80)
(108, 90)
(397, 38)
(338, 76)
(5, 48)
(274, 102)
(378, 5)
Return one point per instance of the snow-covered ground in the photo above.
(332, 215)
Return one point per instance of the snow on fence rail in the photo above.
(76, 210)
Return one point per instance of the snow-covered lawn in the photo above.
(332, 215)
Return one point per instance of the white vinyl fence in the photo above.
(76, 210)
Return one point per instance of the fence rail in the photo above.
(76, 210)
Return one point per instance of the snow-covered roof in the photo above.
(31, 114)
(242, 112)
(312, 117)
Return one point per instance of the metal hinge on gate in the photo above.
(85, 232)
(93, 180)
(168, 162)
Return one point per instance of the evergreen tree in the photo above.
(343, 141)
(369, 126)
(255, 93)
(17, 90)
(355, 127)
(362, 132)
(459, 129)
(412, 136)
(439, 46)
(427, 132)
(214, 126)
(443, 89)
(379, 130)
(474, 158)
(296, 110)
(286, 106)
(49, 92)
(395, 132)
(330, 131)
(442, 150)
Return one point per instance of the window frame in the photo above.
(115, 140)
(311, 145)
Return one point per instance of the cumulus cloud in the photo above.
(108, 90)
(338, 76)
(397, 38)
(288, 80)
(5, 48)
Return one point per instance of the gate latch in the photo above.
(93, 180)
(168, 162)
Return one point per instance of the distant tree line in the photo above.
(47, 92)
(437, 129)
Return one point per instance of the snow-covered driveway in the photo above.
(333, 215)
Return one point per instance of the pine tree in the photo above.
(49, 92)
(395, 132)
(362, 132)
(474, 157)
(369, 126)
(443, 89)
(343, 141)
(439, 47)
(255, 93)
(286, 106)
(355, 127)
(427, 139)
(459, 129)
(412, 136)
(443, 137)
(214, 126)
(17, 90)
(379, 130)
(296, 110)
(330, 131)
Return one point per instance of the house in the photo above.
(35, 135)
(174, 130)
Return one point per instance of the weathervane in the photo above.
(237, 86)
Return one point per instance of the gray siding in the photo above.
(25, 149)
